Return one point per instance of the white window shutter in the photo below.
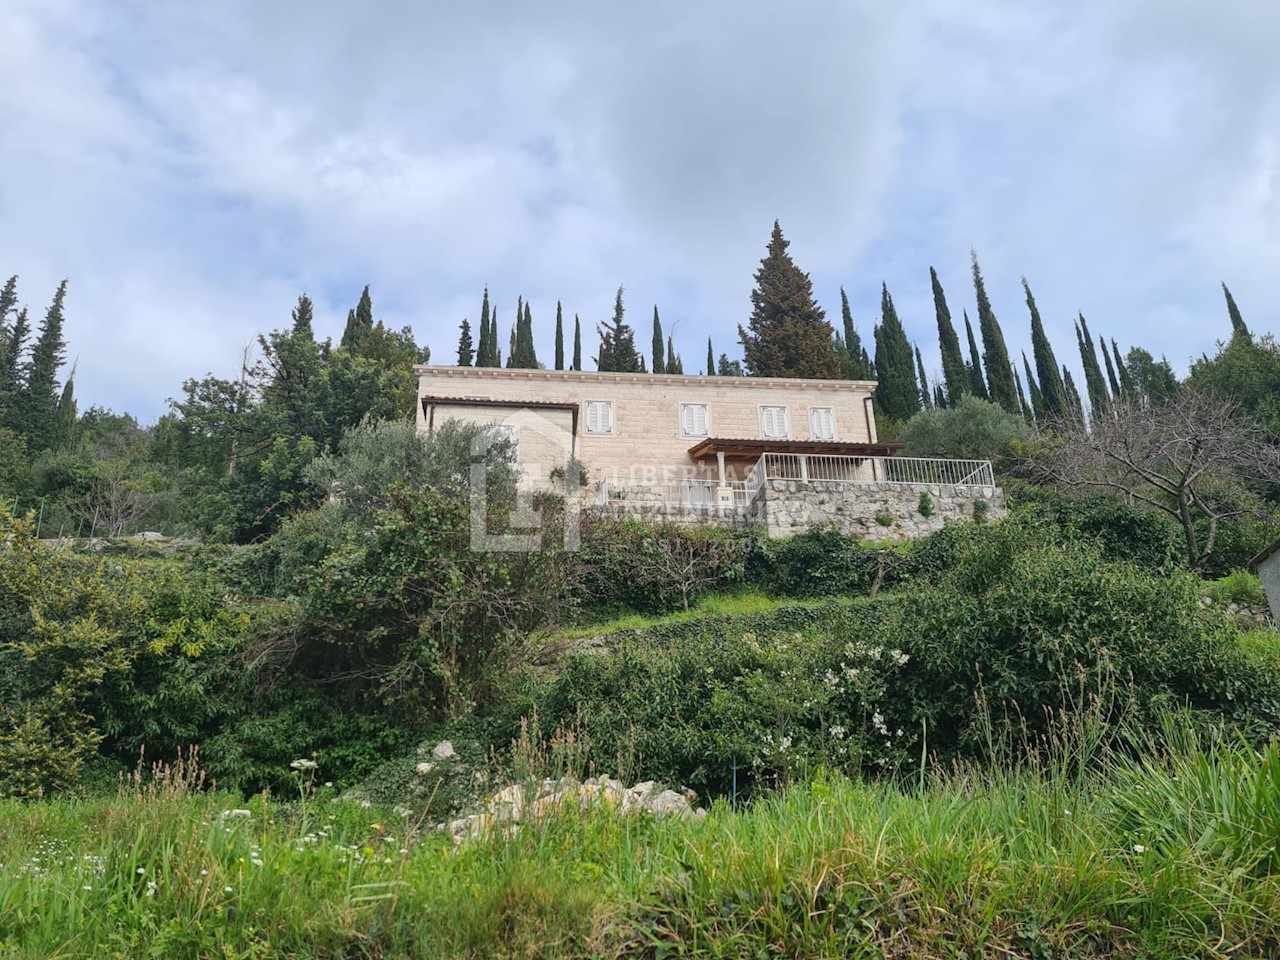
(774, 421)
(823, 423)
(693, 418)
(606, 417)
(599, 416)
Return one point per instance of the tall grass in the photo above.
(1169, 850)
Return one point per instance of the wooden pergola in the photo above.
(741, 452)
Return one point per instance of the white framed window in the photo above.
(599, 417)
(822, 423)
(695, 420)
(773, 423)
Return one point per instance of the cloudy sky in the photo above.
(193, 167)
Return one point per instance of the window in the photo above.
(822, 423)
(773, 422)
(600, 417)
(693, 419)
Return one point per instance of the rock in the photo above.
(443, 751)
(668, 803)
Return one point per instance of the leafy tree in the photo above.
(1178, 457)
(954, 374)
(1238, 327)
(465, 351)
(559, 337)
(788, 334)
(977, 386)
(577, 344)
(618, 352)
(1246, 371)
(855, 363)
(973, 429)
(898, 395)
(1154, 381)
(1052, 388)
(1094, 382)
(657, 346)
(995, 354)
(727, 367)
(926, 398)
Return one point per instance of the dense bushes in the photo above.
(1019, 634)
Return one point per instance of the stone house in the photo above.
(784, 454)
(1267, 566)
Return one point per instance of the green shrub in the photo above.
(821, 562)
(925, 506)
(1240, 587)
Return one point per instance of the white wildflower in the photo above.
(141, 871)
(228, 890)
(1139, 848)
(151, 888)
(877, 721)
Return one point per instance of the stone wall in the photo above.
(873, 511)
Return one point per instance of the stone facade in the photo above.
(873, 511)
(647, 440)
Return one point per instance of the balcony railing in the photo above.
(912, 470)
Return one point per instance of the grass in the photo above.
(738, 603)
(1160, 856)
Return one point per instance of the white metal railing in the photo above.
(754, 482)
(915, 470)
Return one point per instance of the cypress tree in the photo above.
(728, 368)
(1237, 322)
(1075, 409)
(465, 352)
(495, 352)
(39, 399)
(1051, 386)
(939, 398)
(618, 343)
(1094, 382)
(954, 374)
(674, 363)
(65, 416)
(511, 341)
(898, 395)
(1037, 398)
(995, 355)
(656, 347)
(13, 371)
(359, 320)
(559, 337)
(8, 301)
(926, 399)
(523, 354)
(577, 344)
(1111, 370)
(854, 365)
(974, 367)
(711, 360)
(788, 334)
(1127, 387)
(1022, 397)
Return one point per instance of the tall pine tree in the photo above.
(1075, 409)
(485, 344)
(559, 337)
(1127, 387)
(618, 352)
(711, 359)
(1022, 397)
(853, 365)
(359, 321)
(995, 355)
(1111, 371)
(897, 395)
(39, 398)
(465, 351)
(577, 344)
(1037, 398)
(954, 374)
(1051, 385)
(1237, 322)
(788, 334)
(523, 354)
(1094, 381)
(674, 363)
(656, 347)
(926, 398)
(977, 386)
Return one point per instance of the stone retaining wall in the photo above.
(873, 511)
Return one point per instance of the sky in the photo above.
(192, 168)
